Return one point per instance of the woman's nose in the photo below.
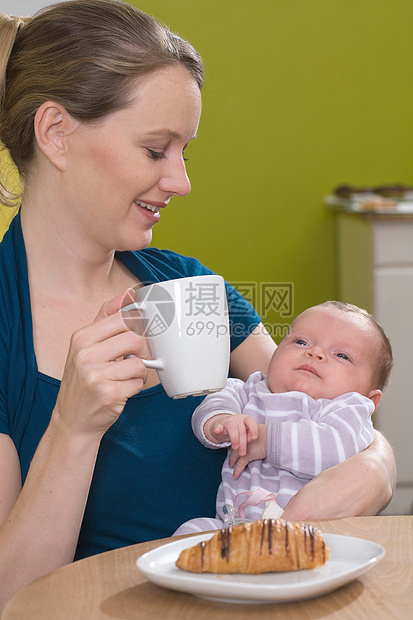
(316, 352)
(175, 180)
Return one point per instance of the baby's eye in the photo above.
(301, 342)
(343, 356)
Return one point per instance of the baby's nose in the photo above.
(316, 352)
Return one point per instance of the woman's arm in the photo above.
(40, 522)
(39, 533)
(362, 485)
(253, 354)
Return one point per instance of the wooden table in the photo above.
(110, 586)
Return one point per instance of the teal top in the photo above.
(151, 473)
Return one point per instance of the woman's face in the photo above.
(124, 169)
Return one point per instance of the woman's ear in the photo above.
(52, 125)
(375, 396)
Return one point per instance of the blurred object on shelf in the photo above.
(397, 192)
(397, 198)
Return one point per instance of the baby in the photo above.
(312, 411)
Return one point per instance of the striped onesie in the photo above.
(304, 437)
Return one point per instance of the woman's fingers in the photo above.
(107, 343)
(108, 324)
(114, 305)
(98, 379)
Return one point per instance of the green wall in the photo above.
(300, 96)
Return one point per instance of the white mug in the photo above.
(186, 325)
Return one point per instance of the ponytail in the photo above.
(9, 27)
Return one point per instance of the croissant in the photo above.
(271, 545)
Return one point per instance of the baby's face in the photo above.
(327, 353)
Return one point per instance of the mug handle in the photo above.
(157, 364)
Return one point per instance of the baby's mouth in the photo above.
(309, 368)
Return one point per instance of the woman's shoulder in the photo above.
(155, 264)
(188, 264)
(12, 241)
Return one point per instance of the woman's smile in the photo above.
(149, 207)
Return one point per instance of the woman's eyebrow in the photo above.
(166, 133)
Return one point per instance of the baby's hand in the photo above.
(239, 429)
(256, 450)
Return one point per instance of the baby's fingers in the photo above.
(233, 457)
(251, 425)
(237, 434)
(240, 465)
(246, 431)
(218, 429)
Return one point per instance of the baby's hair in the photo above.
(384, 361)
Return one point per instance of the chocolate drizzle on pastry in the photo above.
(271, 545)
(309, 531)
(262, 536)
(226, 542)
(202, 553)
(269, 525)
(287, 547)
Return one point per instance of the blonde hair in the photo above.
(83, 54)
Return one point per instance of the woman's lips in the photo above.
(150, 210)
(150, 207)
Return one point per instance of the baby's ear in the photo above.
(375, 396)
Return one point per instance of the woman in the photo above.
(98, 105)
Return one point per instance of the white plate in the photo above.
(350, 557)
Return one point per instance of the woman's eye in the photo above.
(155, 154)
(343, 356)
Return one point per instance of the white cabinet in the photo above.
(375, 271)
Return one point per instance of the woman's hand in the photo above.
(97, 379)
(361, 485)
